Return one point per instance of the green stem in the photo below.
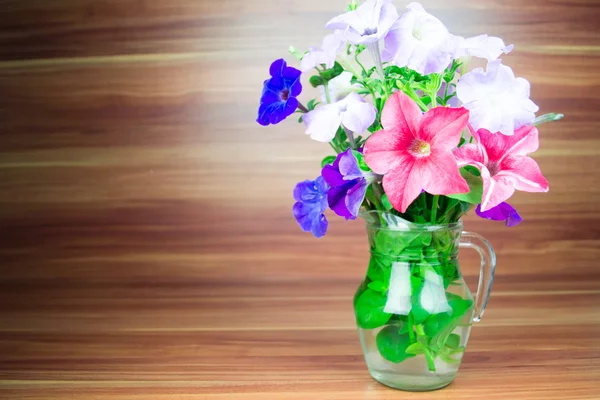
(433, 99)
(302, 108)
(411, 332)
(333, 146)
(326, 86)
(411, 93)
(446, 93)
(428, 356)
(434, 208)
(430, 360)
(359, 64)
(351, 139)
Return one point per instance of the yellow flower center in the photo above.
(419, 148)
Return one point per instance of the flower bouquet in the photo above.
(419, 139)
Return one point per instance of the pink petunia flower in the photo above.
(413, 152)
(504, 164)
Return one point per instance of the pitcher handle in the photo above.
(478, 243)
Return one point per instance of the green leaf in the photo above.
(327, 160)
(415, 348)
(434, 85)
(473, 170)
(392, 345)
(360, 48)
(417, 310)
(331, 73)
(547, 118)
(312, 103)
(385, 201)
(436, 323)
(459, 305)
(295, 52)
(475, 188)
(451, 71)
(360, 159)
(453, 341)
(378, 286)
(380, 268)
(369, 310)
(316, 81)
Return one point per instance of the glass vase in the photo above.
(413, 309)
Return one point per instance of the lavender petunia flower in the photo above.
(324, 55)
(278, 100)
(369, 23)
(502, 212)
(497, 101)
(311, 203)
(353, 113)
(420, 41)
(348, 184)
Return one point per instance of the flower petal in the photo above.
(469, 154)
(323, 122)
(496, 189)
(442, 127)
(402, 115)
(348, 165)
(370, 22)
(401, 185)
(502, 212)
(439, 174)
(525, 172)
(319, 227)
(277, 67)
(484, 46)
(355, 197)
(336, 198)
(524, 141)
(384, 150)
(359, 116)
(420, 41)
(304, 215)
(311, 202)
(332, 176)
(497, 100)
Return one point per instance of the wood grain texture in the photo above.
(148, 251)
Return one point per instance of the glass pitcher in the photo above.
(413, 309)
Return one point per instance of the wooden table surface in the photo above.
(148, 249)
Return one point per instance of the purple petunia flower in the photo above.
(502, 212)
(278, 100)
(311, 203)
(348, 184)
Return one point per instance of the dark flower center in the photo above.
(419, 148)
(370, 31)
(493, 167)
(284, 95)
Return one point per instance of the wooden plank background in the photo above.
(148, 249)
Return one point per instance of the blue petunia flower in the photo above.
(502, 212)
(311, 203)
(278, 100)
